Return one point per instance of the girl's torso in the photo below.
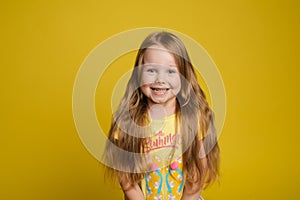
(164, 180)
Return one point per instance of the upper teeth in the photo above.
(158, 89)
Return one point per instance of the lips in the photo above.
(159, 91)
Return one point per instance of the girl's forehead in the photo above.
(159, 55)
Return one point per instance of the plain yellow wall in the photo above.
(255, 45)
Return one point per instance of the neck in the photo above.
(158, 111)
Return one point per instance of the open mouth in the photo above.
(159, 89)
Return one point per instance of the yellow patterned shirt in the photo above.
(164, 180)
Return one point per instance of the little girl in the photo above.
(163, 127)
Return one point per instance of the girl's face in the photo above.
(160, 79)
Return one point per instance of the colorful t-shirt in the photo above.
(164, 180)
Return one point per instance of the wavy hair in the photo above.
(195, 118)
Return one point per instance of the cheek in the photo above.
(145, 90)
(146, 80)
(176, 82)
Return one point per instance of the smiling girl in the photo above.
(164, 125)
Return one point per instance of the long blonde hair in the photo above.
(127, 130)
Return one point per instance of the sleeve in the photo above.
(116, 134)
(200, 136)
(202, 153)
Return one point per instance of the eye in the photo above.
(171, 71)
(151, 70)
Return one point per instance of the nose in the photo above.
(160, 77)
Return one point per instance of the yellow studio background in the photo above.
(255, 45)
